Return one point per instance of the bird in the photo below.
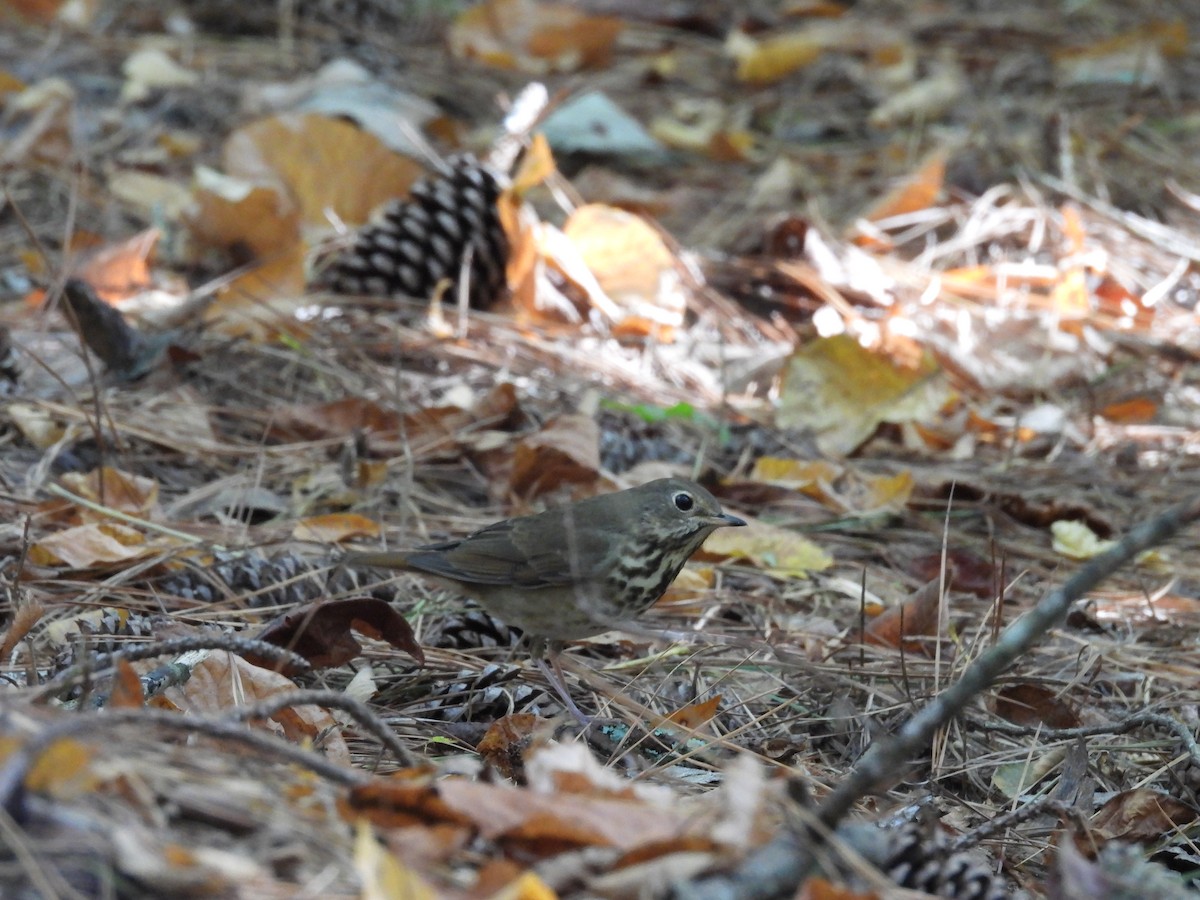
(574, 571)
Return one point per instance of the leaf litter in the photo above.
(910, 354)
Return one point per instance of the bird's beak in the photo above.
(726, 519)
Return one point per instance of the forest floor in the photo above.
(911, 289)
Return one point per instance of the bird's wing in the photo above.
(515, 552)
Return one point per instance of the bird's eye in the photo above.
(684, 501)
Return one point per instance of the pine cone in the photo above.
(917, 859)
(423, 239)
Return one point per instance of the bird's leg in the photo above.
(554, 674)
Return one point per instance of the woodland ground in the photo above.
(923, 309)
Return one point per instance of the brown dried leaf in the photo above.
(1142, 814)
(321, 632)
(913, 623)
(551, 823)
(27, 614)
(88, 545)
(507, 740)
(136, 495)
(566, 451)
(1034, 704)
(223, 681)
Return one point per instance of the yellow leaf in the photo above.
(778, 57)
(843, 391)
(383, 877)
(1076, 540)
(811, 477)
(62, 770)
(777, 550)
(526, 887)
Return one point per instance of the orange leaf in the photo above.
(1131, 412)
(504, 745)
(112, 488)
(127, 690)
(912, 624)
(696, 714)
(330, 529)
(118, 271)
(63, 770)
(322, 163)
(916, 192)
(532, 36)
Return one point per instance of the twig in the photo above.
(232, 642)
(362, 713)
(1179, 729)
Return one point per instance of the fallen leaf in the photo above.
(322, 164)
(1141, 814)
(383, 876)
(636, 271)
(916, 192)
(118, 271)
(565, 451)
(335, 527)
(1136, 411)
(506, 742)
(695, 714)
(63, 770)
(912, 624)
(224, 681)
(321, 632)
(534, 37)
(843, 392)
(1016, 778)
(770, 60)
(126, 690)
(1034, 704)
(89, 545)
(777, 550)
(136, 495)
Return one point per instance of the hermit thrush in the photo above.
(576, 571)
